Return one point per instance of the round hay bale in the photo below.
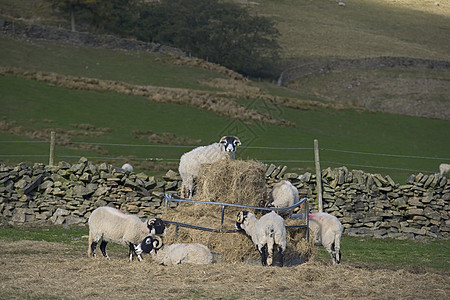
(233, 181)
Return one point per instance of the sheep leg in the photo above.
(93, 246)
(263, 252)
(330, 250)
(103, 248)
(280, 256)
(133, 251)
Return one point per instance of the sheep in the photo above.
(283, 194)
(190, 161)
(174, 254)
(444, 169)
(112, 225)
(267, 232)
(127, 167)
(327, 231)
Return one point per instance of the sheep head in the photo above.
(230, 143)
(156, 226)
(148, 244)
(240, 219)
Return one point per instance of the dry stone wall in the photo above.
(367, 204)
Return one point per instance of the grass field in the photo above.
(35, 105)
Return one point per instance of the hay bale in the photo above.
(233, 181)
(229, 181)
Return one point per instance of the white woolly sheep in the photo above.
(191, 161)
(266, 233)
(444, 169)
(174, 254)
(112, 225)
(283, 194)
(127, 167)
(327, 231)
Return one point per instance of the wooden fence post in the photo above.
(318, 175)
(51, 160)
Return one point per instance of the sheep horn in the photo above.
(238, 141)
(223, 138)
(159, 242)
(240, 217)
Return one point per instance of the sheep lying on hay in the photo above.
(229, 181)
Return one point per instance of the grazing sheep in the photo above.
(175, 254)
(112, 225)
(444, 169)
(127, 167)
(267, 232)
(283, 194)
(327, 231)
(190, 161)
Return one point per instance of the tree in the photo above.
(220, 32)
(70, 6)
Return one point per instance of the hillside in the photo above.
(98, 98)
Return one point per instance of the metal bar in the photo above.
(178, 224)
(223, 213)
(307, 220)
(169, 198)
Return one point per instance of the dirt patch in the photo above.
(49, 272)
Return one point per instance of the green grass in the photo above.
(139, 68)
(423, 254)
(55, 234)
(32, 104)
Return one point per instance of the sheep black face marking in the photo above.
(157, 225)
(230, 143)
(146, 245)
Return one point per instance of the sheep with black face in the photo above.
(268, 233)
(191, 161)
(174, 254)
(111, 225)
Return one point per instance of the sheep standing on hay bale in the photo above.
(191, 161)
(283, 194)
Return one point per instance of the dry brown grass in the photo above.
(43, 270)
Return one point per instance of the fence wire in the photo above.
(280, 161)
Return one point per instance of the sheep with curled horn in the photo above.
(174, 254)
(191, 161)
(112, 225)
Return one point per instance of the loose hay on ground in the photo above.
(235, 182)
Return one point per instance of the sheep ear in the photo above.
(222, 140)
